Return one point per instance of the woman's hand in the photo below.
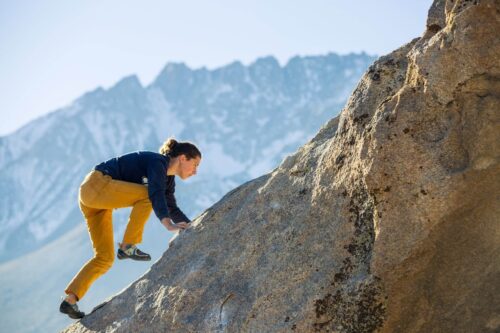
(183, 225)
(174, 226)
(169, 224)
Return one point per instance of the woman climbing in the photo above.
(142, 180)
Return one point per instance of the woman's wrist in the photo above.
(167, 222)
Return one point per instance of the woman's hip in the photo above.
(101, 191)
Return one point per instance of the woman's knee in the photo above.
(104, 262)
(142, 207)
(91, 213)
(144, 204)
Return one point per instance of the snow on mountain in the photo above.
(245, 120)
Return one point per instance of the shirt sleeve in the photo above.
(157, 186)
(176, 213)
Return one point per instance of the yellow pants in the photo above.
(98, 196)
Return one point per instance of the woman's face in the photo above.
(188, 168)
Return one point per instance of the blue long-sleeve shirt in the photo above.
(147, 168)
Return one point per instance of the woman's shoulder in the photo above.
(152, 157)
(151, 154)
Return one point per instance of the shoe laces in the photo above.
(130, 250)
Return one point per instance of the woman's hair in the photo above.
(173, 148)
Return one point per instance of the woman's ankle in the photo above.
(124, 245)
(71, 298)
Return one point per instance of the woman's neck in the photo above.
(173, 165)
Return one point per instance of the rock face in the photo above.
(386, 221)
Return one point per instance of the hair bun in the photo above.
(173, 148)
(172, 143)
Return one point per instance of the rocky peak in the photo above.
(386, 221)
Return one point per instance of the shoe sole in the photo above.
(121, 257)
(72, 316)
(136, 259)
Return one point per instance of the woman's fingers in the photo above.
(183, 225)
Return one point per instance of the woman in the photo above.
(142, 180)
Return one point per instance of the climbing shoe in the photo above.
(132, 252)
(71, 310)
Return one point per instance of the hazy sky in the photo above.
(53, 51)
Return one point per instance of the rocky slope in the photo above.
(386, 221)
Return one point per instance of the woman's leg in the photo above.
(117, 194)
(99, 195)
(124, 194)
(138, 217)
(100, 227)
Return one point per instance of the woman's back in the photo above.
(133, 167)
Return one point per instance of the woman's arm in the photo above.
(176, 213)
(157, 185)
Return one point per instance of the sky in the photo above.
(54, 51)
